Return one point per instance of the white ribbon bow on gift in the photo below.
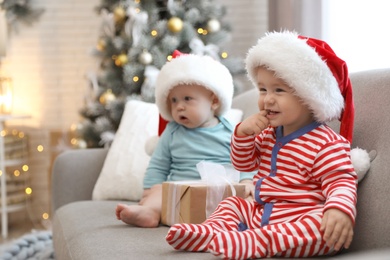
(217, 176)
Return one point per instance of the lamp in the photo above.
(6, 95)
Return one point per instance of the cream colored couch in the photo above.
(86, 229)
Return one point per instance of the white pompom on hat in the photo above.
(193, 69)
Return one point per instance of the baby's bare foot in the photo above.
(137, 215)
(118, 210)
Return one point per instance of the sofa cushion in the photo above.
(89, 230)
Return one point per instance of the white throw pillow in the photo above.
(234, 116)
(126, 162)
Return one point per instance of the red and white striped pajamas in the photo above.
(299, 177)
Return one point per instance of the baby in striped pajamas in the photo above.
(305, 189)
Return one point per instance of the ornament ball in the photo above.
(107, 97)
(101, 45)
(145, 58)
(79, 143)
(119, 14)
(175, 24)
(213, 25)
(121, 60)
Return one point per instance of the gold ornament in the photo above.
(145, 57)
(119, 14)
(76, 129)
(78, 143)
(101, 45)
(121, 60)
(213, 25)
(175, 24)
(107, 97)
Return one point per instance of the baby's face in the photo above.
(193, 106)
(279, 100)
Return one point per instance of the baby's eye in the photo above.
(280, 90)
(173, 100)
(187, 98)
(262, 90)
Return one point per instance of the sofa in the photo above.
(88, 229)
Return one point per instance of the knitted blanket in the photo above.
(37, 245)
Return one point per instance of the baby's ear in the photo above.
(215, 104)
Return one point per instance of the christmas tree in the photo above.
(18, 11)
(137, 38)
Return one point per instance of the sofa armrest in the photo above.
(74, 175)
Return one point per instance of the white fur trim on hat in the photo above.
(299, 65)
(193, 69)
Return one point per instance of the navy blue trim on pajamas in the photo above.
(280, 142)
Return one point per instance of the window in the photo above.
(358, 31)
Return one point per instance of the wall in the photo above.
(49, 60)
(249, 21)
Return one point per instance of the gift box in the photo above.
(188, 202)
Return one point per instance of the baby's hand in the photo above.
(253, 125)
(338, 229)
(249, 189)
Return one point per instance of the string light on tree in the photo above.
(175, 24)
(202, 31)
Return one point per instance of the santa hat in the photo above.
(310, 66)
(193, 69)
(190, 69)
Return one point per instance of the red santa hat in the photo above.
(194, 69)
(310, 66)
